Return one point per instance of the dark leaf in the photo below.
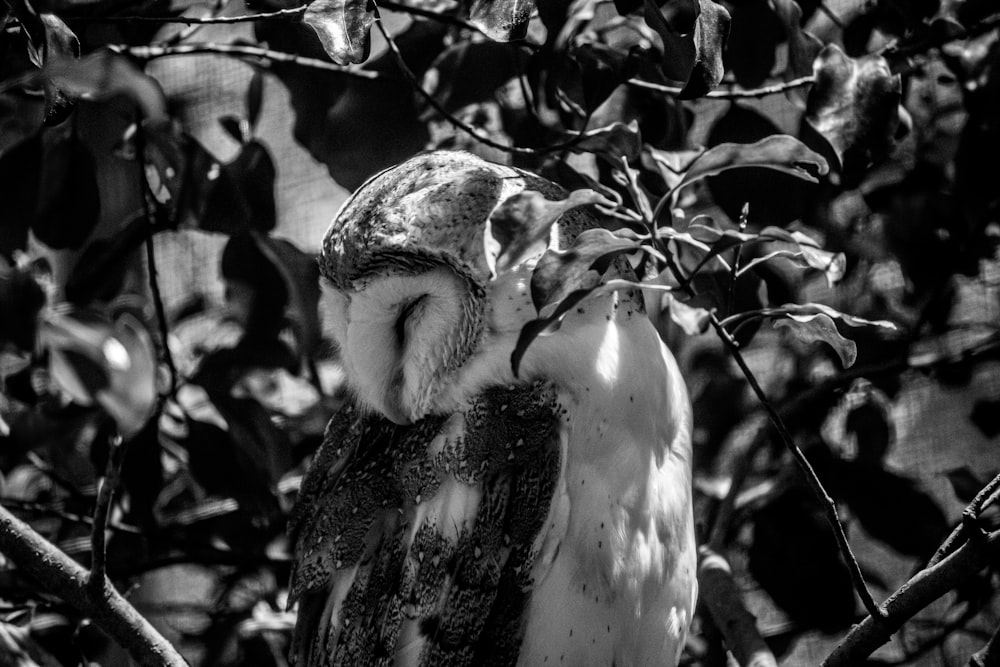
(780, 152)
(750, 49)
(965, 483)
(242, 196)
(502, 20)
(802, 46)
(469, 72)
(820, 328)
(774, 198)
(20, 172)
(519, 226)
(869, 422)
(343, 27)
(591, 72)
(60, 43)
(710, 33)
(560, 272)
(68, 205)
(255, 98)
(612, 142)
(893, 509)
(986, 416)
(103, 75)
(21, 299)
(675, 24)
(854, 105)
(796, 559)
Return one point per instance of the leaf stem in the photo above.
(154, 51)
(97, 580)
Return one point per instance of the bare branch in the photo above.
(290, 13)
(925, 587)
(105, 499)
(751, 93)
(154, 51)
(64, 577)
(725, 603)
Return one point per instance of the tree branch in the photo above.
(751, 93)
(725, 604)
(290, 13)
(925, 587)
(64, 577)
(989, 655)
(105, 499)
(239, 51)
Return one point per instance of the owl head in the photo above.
(408, 294)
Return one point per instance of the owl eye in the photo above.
(408, 310)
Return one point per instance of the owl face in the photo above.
(406, 288)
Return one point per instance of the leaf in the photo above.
(103, 75)
(985, 416)
(675, 24)
(68, 204)
(798, 245)
(560, 272)
(470, 72)
(111, 365)
(750, 49)
(519, 226)
(502, 20)
(854, 105)
(965, 483)
(780, 152)
(343, 28)
(802, 47)
(710, 33)
(692, 320)
(611, 142)
(255, 98)
(544, 326)
(21, 299)
(820, 328)
(20, 173)
(60, 43)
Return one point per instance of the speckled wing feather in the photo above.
(414, 544)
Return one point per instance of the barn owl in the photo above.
(459, 515)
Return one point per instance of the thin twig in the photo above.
(922, 589)
(42, 508)
(455, 122)
(751, 93)
(154, 51)
(902, 49)
(989, 655)
(292, 12)
(102, 511)
(829, 507)
(968, 526)
(64, 577)
(154, 282)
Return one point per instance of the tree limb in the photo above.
(725, 604)
(65, 578)
(922, 589)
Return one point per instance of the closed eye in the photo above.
(407, 311)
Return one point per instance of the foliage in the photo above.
(796, 188)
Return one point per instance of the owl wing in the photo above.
(415, 545)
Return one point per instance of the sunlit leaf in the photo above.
(343, 27)
(691, 319)
(820, 328)
(710, 33)
(502, 20)
(780, 152)
(798, 245)
(519, 226)
(611, 142)
(104, 74)
(560, 272)
(854, 105)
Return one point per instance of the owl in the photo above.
(457, 514)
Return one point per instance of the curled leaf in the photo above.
(502, 20)
(780, 152)
(343, 28)
(854, 105)
(519, 226)
(104, 74)
(611, 142)
(820, 328)
(560, 272)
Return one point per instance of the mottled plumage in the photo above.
(456, 515)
